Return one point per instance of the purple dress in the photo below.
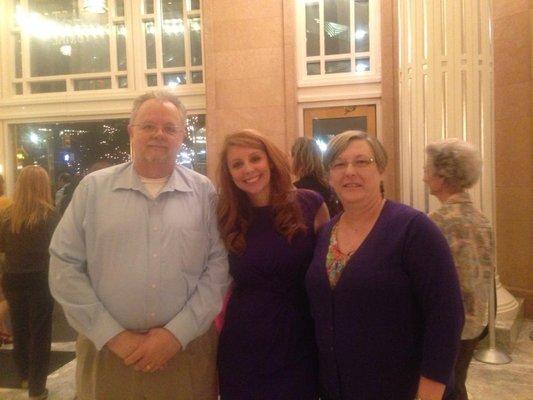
(267, 349)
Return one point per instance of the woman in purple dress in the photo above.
(266, 348)
(382, 288)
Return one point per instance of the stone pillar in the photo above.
(446, 91)
(250, 70)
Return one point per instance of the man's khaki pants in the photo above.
(190, 375)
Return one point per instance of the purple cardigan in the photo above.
(395, 314)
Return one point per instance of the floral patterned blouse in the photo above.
(469, 235)
(335, 260)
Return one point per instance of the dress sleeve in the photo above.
(310, 201)
(436, 288)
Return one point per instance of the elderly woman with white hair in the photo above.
(452, 167)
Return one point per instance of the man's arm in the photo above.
(69, 282)
(206, 300)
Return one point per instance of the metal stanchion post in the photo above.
(491, 354)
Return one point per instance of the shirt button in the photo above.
(152, 315)
(155, 255)
(155, 228)
(153, 285)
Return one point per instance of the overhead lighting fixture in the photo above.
(95, 6)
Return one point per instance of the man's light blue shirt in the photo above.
(123, 260)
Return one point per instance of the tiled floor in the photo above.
(512, 381)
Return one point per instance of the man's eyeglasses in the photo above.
(358, 163)
(150, 129)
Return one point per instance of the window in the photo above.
(75, 146)
(80, 45)
(340, 39)
(68, 45)
(173, 43)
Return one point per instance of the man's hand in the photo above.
(125, 343)
(158, 347)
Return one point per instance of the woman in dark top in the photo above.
(308, 169)
(382, 287)
(267, 348)
(26, 228)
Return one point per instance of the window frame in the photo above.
(374, 53)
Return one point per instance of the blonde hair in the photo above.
(307, 160)
(32, 201)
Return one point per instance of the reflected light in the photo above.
(95, 6)
(43, 28)
(1, 168)
(321, 145)
(360, 34)
(361, 67)
(173, 26)
(66, 157)
(66, 50)
(34, 138)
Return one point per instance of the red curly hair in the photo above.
(234, 210)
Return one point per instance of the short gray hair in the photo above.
(161, 95)
(456, 161)
(340, 142)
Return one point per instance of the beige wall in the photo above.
(513, 91)
(249, 64)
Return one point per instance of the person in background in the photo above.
(5, 327)
(266, 348)
(63, 180)
(382, 286)
(139, 268)
(307, 167)
(452, 167)
(25, 231)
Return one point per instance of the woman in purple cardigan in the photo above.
(382, 287)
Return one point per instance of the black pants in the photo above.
(466, 352)
(30, 309)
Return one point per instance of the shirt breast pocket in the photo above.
(193, 250)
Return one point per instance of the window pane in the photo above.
(197, 76)
(18, 55)
(172, 9)
(122, 82)
(149, 35)
(151, 80)
(119, 8)
(71, 39)
(18, 88)
(335, 67)
(148, 6)
(71, 146)
(172, 35)
(193, 150)
(313, 68)
(122, 61)
(362, 64)
(361, 26)
(195, 35)
(92, 84)
(174, 79)
(312, 28)
(48, 87)
(193, 5)
(336, 26)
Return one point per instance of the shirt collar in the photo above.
(129, 179)
(461, 197)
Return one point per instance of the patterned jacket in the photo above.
(469, 235)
